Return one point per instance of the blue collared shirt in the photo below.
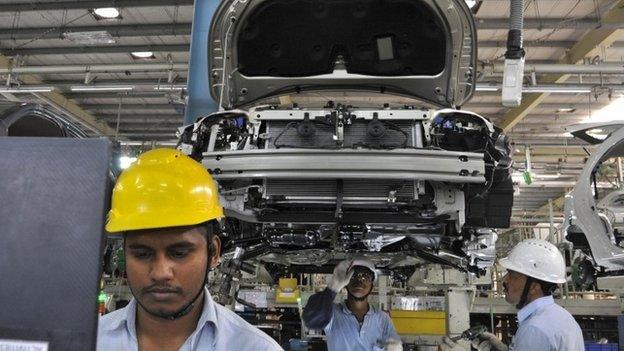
(217, 329)
(546, 326)
(345, 334)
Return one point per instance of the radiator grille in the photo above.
(353, 134)
(327, 188)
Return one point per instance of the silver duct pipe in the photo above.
(556, 88)
(145, 67)
(513, 73)
(604, 68)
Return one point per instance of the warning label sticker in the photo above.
(22, 345)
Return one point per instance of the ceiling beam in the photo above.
(106, 49)
(124, 95)
(529, 43)
(87, 4)
(119, 81)
(141, 116)
(545, 23)
(134, 30)
(541, 44)
(131, 106)
(589, 45)
(149, 135)
(125, 119)
(112, 49)
(553, 106)
(98, 68)
(124, 124)
(58, 100)
(150, 128)
(116, 31)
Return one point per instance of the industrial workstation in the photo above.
(342, 175)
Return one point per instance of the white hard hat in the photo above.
(538, 259)
(365, 263)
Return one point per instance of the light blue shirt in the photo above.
(345, 334)
(217, 329)
(546, 326)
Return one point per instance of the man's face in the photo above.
(166, 267)
(513, 285)
(361, 282)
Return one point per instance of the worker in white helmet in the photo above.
(534, 269)
(354, 324)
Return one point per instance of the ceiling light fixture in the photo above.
(556, 89)
(483, 87)
(169, 87)
(90, 37)
(106, 13)
(471, 3)
(614, 111)
(142, 55)
(32, 89)
(566, 110)
(102, 87)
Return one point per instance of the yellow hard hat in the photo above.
(163, 188)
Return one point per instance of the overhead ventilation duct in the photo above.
(514, 57)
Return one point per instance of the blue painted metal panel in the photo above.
(200, 103)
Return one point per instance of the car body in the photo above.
(589, 223)
(34, 120)
(340, 133)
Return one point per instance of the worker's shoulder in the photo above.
(245, 334)
(553, 317)
(111, 320)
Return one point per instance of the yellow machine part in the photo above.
(419, 322)
(287, 291)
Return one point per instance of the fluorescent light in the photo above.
(566, 110)
(90, 37)
(556, 89)
(483, 87)
(142, 54)
(126, 161)
(106, 12)
(32, 89)
(612, 112)
(471, 3)
(102, 88)
(169, 87)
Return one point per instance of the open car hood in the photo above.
(596, 132)
(421, 49)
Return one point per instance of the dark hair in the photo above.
(547, 288)
(210, 229)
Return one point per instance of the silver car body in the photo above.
(582, 214)
(340, 132)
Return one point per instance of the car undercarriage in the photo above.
(304, 182)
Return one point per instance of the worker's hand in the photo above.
(341, 277)
(450, 345)
(393, 345)
(488, 342)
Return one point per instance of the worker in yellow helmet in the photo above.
(166, 205)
